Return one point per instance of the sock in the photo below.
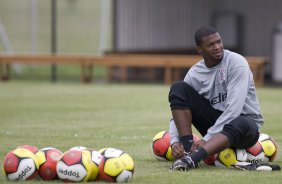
(187, 142)
(198, 155)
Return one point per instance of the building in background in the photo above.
(141, 26)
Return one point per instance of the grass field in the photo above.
(127, 117)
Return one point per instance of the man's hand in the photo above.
(197, 144)
(177, 150)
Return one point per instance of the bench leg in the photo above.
(5, 72)
(260, 76)
(86, 73)
(167, 77)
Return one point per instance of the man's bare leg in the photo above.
(217, 143)
(183, 123)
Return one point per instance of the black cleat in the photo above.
(246, 166)
(183, 164)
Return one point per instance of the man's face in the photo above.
(211, 47)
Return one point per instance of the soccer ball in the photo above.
(264, 150)
(255, 154)
(96, 159)
(116, 166)
(74, 166)
(269, 147)
(162, 148)
(20, 164)
(230, 156)
(48, 158)
(210, 160)
(31, 148)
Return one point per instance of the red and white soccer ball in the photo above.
(20, 164)
(265, 150)
(116, 166)
(210, 160)
(269, 145)
(47, 159)
(161, 146)
(255, 154)
(74, 166)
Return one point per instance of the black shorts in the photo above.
(242, 132)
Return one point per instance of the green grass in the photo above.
(127, 117)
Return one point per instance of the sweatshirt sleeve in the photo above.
(237, 89)
(174, 136)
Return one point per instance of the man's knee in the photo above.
(241, 132)
(179, 96)
(179, 88)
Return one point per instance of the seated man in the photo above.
(218, 98)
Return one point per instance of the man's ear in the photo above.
(199, 49)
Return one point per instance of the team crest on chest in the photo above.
(221, 74)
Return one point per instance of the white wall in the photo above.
(170, 24)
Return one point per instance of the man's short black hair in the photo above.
(203, 31)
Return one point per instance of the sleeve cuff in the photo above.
(174, 140)
(207, 137)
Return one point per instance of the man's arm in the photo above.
(176, 146)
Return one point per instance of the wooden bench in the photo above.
(170, 63)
